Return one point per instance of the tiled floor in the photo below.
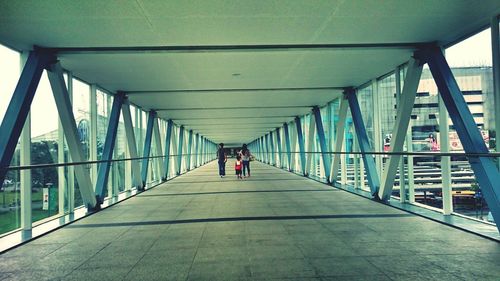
(272, 226)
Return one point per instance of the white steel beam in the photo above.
(401, 126)
(377, 129)
(174, 150)
(67, 118)
(93, 132)
(71, 169)
(25, 159)
(444, 140)
(293, 145)
(159, 150)
(339, 139)
(310, 144)
(132, 145)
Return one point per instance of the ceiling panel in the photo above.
(235, 94)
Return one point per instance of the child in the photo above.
(237, 167)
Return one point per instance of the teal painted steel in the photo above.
(168, 138)
(300, 137)
(19, 107)
(364, 145)
(147, 148)
(287, 144)
(109, 145)
(179, 150)
(485, 170)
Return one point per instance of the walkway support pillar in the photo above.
(364, 145)
(287, 145)
(166, 160)
(189, 146)
(272, 147)
(65, 110)
(268, 157)
(159, 151)
(147, 148)
(339, 138)
(179, 151)
(196, 149)
(485, 170)
(278, 143)
(300, 137)
(403, 115)
(310, 143)
(262, 150)
(495, 48)
(109, 145)
(322, 142)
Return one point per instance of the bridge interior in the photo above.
(271, 226)
(114, 110)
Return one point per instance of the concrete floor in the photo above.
(272, 226)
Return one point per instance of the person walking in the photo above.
(222, 159)
(237, 167)
(245, 157)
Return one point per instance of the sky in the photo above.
(474, 51)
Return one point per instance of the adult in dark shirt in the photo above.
(222, 159)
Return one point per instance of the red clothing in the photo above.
(237, 166)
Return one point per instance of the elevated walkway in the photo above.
(274, 225)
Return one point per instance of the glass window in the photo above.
(10, 199)
(81, 110)
(44, 150)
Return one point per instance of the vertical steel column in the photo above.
(300, 137)
(190, 144)
(484, 168)
(147, 148)
(444, 140)
(109, 145)
(364, 144)
(268, 159)
(25, 178)
(339, 140)
(377, 130)
(322, 142)
(166, 160)
(287, 145)
(19, 107)
(495, 49)
(65, 110)
(179, 151)
(273, 152)
(278, 142)
(196, 147)
(262, 150)
(93, 133)
(400, 128)
(310, 143)
(402, 178)
(292, 130)
(159, 151)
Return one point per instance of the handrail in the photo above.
(451, 154)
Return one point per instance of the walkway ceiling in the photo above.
(233, 70)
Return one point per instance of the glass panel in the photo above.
(44, 150)
(81, 110)
(471, 64)
(10, 191)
